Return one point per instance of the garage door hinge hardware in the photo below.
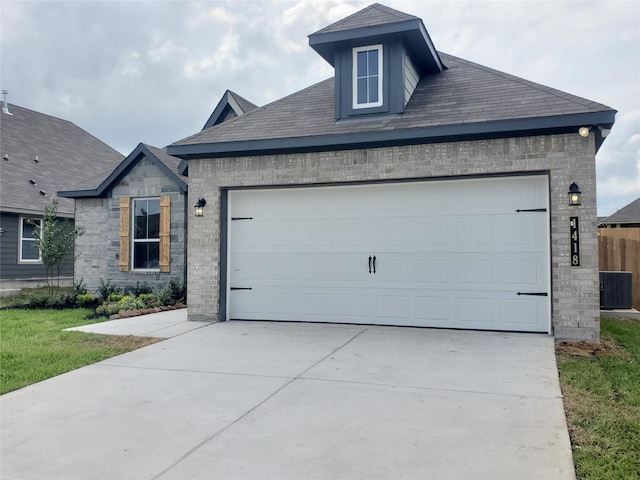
(241, 218)
(240, 288)
(531, 210)
(535, 294)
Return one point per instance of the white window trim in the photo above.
(142, 240)
(21, 239)
(354, 94)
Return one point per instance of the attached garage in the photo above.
(470, 253)
(412, 188)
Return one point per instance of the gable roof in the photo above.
(370, 25)
(100, 185)
(466, 101)
(231, 105)
(628, 214)
(63, 151)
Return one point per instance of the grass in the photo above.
(602, 403)
(33, 346)
(26, 294)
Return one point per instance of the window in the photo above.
(28, 250)
(145, 241)
(146, 234)
(367, 76)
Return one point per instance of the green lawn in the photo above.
(602, 401)
(33, 346)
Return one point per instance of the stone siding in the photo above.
(97, 251)
(566, 158)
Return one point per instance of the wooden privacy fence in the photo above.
(619, 251)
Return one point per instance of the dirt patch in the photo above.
(128, 342)
(605, 348)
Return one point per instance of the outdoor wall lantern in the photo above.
(574, 194)
(199, 206)
(584, 131)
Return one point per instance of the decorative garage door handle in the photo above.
(369, 263)
(374, 263)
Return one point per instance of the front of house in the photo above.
(413, 188)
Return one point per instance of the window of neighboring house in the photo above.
(28, 251)
(146, 234)
(367, 76)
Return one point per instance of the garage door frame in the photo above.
(224, 281)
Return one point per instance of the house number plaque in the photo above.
(574, 231)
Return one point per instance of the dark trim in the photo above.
(222, 272)
(121, 171)
(531, 210)
(423, 135)
(412, 31)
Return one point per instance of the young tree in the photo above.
(55, 238)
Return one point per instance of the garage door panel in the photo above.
(448, 253)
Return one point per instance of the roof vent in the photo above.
(32, 181)
(5, 105)
(36, 159)
(6, 157)
(43, 193)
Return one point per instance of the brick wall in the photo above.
(568, 158)
(97, 251)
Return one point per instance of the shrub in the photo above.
(107, 309)
(140, 288)
(163, 296)
(107, 288)
(115, 297)
(37, 301)
(86, 300)
(79, 288)
(177, 291)
(150, 300)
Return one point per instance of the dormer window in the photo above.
(367, 76)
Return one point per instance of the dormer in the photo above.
(379, 55)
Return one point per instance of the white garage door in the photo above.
(452, 254)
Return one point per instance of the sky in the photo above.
(153, 71)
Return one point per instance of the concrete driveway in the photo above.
(252, 400)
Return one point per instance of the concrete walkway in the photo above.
(162, 325)
(251, 400)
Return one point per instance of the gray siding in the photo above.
(97, 252)
(411, 77)
(568, 158)
(10, 267)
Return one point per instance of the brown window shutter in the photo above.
(125, 222)
(165, 230)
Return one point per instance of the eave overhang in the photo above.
(413, 33)
(558, 124)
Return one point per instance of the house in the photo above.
(412, 188)
(135, 215)
(41, 154)
(627, 217)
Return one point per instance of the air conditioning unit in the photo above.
(615, 290)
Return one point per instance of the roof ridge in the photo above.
(590, 104)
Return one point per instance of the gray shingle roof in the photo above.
(465, 93)
(100, 184)
(244, 104)
(627, 214)
(375, 14)
(65, 153)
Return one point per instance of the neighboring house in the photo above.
(627, 217)
(41, 154)
(135, 215)
(413, 188)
